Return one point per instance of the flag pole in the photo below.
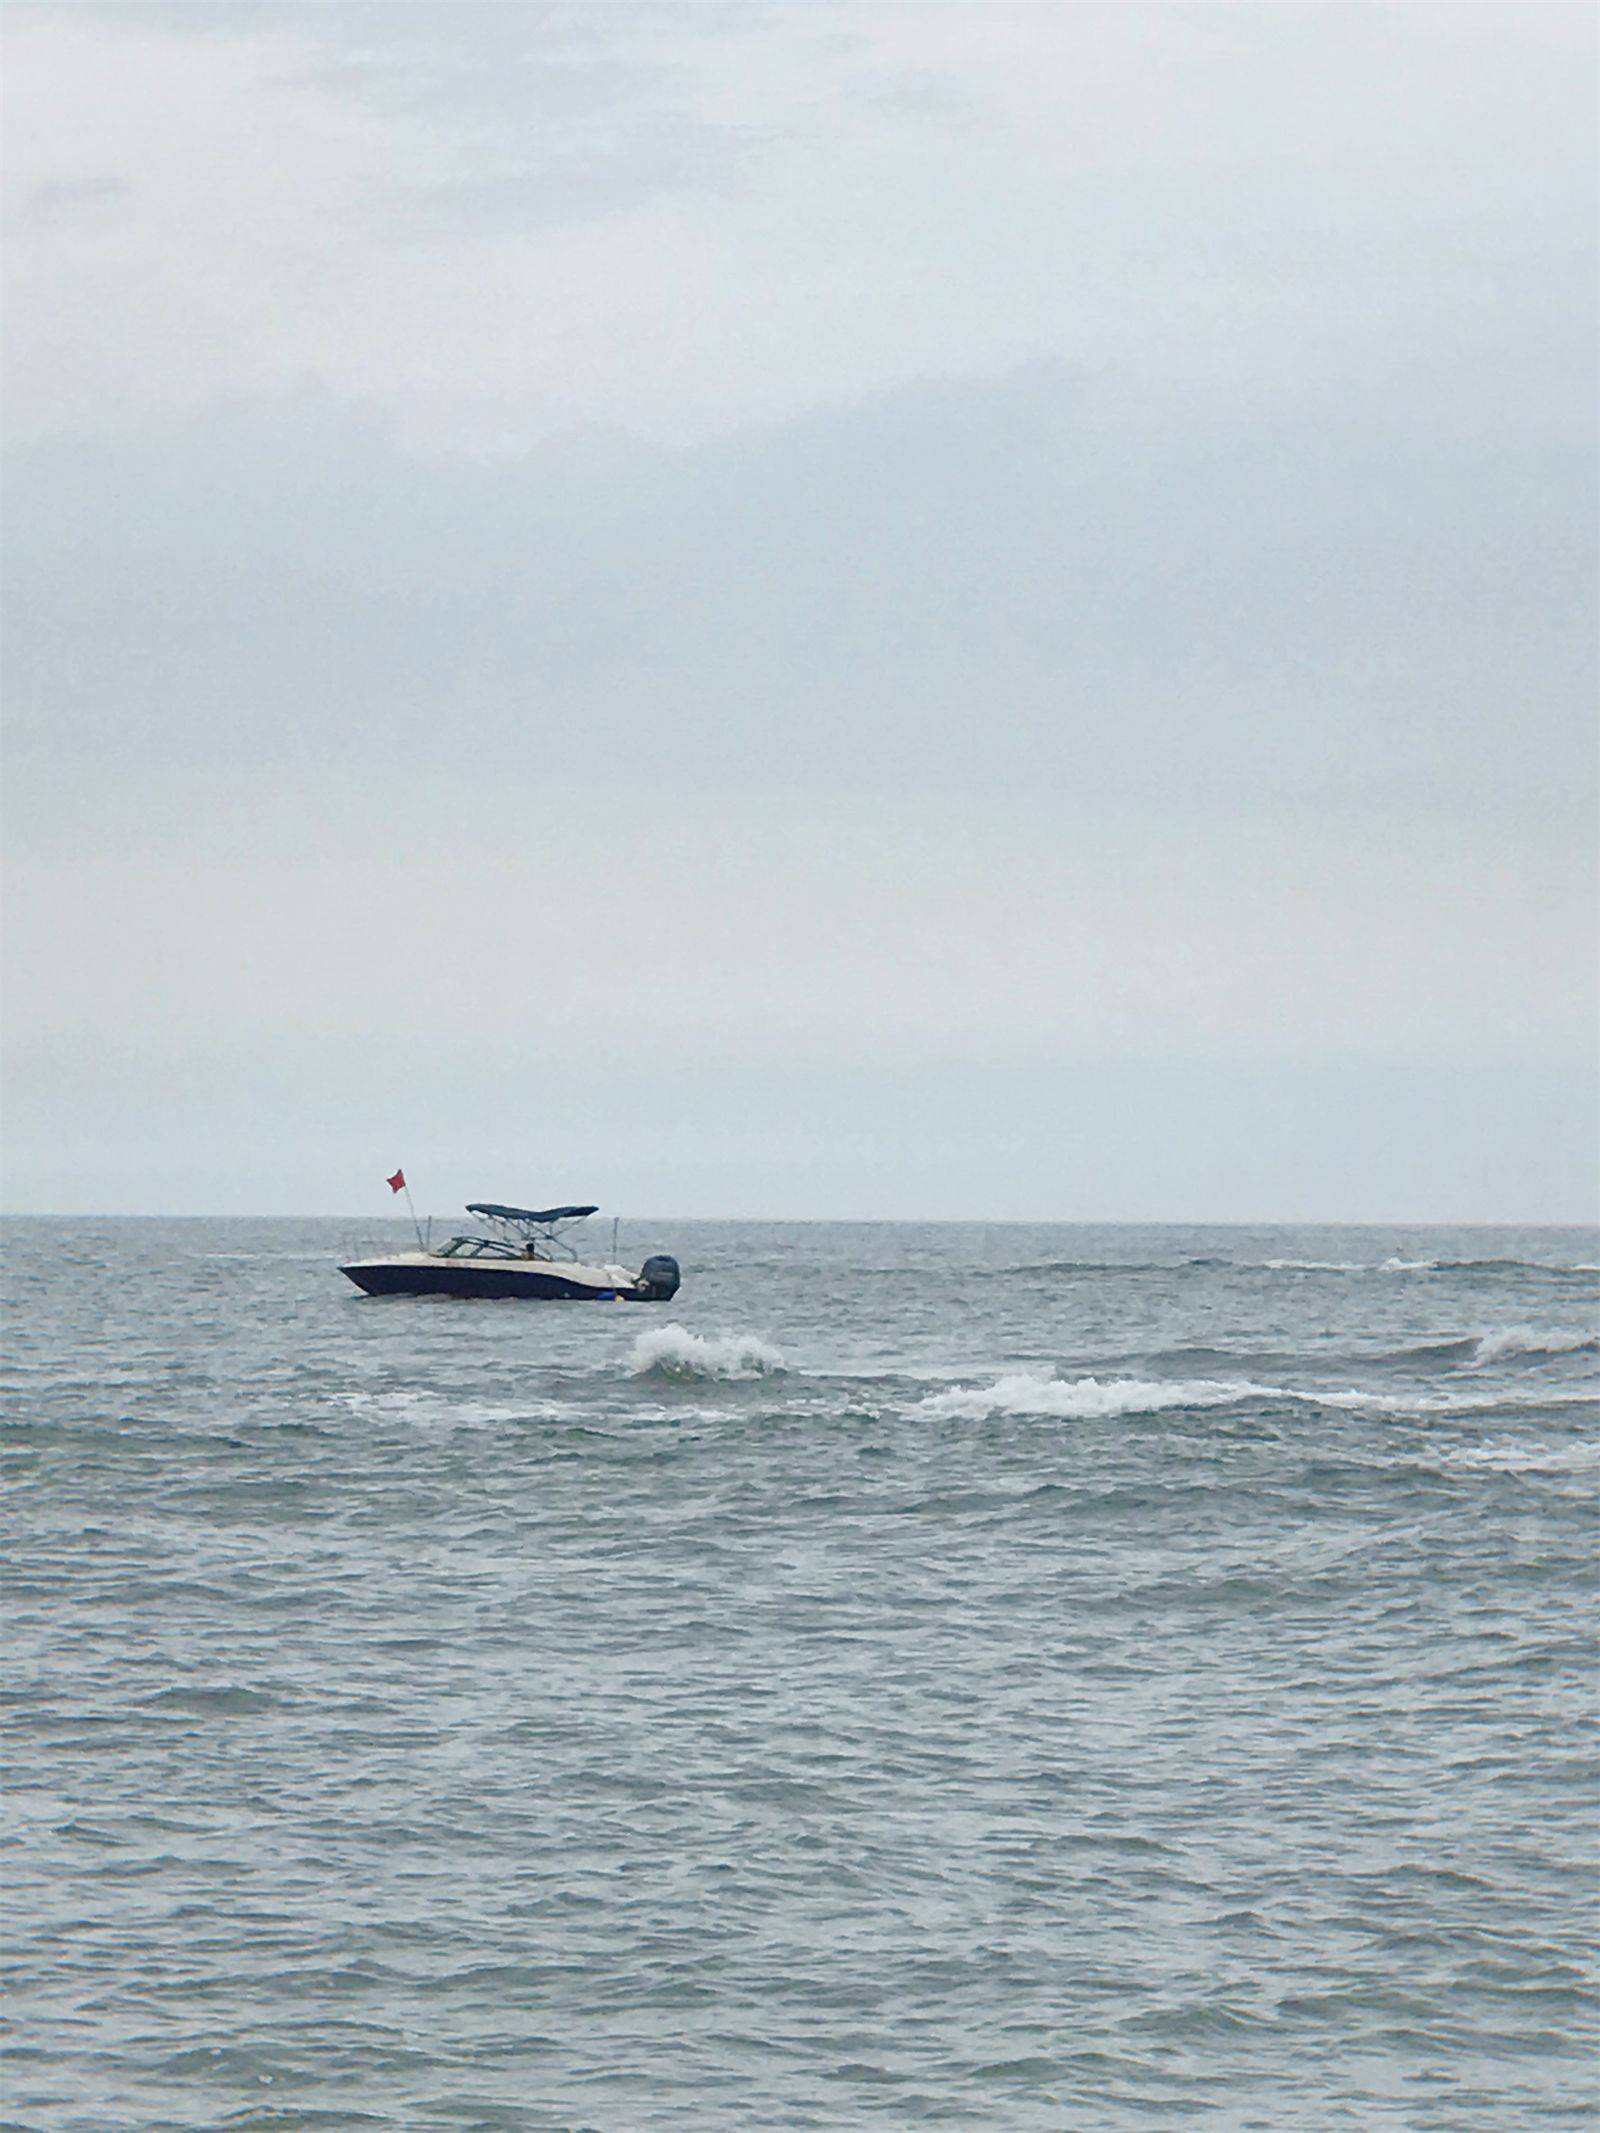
(397, 1183)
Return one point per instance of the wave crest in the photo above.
(1395, 1263)
(1531, 1341)
(1088, 1399)
(1507, 1456)
(681, 1357)
(1023, 1392)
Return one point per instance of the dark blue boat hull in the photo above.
(475, 1278)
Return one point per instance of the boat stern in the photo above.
(659, 1279)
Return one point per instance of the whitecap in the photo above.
(675, 1353)
(1507, 1456)
(1392, 1265)
(1494, 1346)
(1023, 1392)
(1092, 1399)
(1317, 1266)
(1421, 1405)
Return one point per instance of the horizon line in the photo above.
(42, 1214)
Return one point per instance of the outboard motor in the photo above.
(659, 1278)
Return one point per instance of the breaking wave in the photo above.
(1525, 1344)
(1532, 1342)
(1023, 1392)
(681, 1357)
(1089, 1399)
(1396, 1263)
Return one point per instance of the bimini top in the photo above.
(544, 1216)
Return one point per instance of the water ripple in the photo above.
(1077, 1678)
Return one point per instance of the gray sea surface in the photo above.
(996, 1677)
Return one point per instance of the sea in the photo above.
(991, 1676)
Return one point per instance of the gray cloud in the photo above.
(545, 185)
(548, 114)
(71, 196)
(1008, 572)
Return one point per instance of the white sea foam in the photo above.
(1092, 1399)
(675, 1353)
(1358, 1400)
(1507, 1456)
(1391, 1265)
(1317, 1266)
(1396, 1264)
(1023, 1392)
(1422, 1405)
(391, 1399)
(1531, 1340)
(426, 1407)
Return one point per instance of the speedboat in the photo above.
(522, 1254)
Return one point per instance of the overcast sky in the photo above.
(928, 610)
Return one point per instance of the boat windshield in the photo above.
(479, 1248)
(522, 1232)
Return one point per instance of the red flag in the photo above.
(397, 1183)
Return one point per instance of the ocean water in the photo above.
(996, 1677)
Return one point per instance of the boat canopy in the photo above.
(544, 1216)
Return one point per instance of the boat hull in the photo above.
(540, 1282)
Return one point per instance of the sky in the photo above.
(929, 611)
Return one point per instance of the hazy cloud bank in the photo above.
(1019, 637)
